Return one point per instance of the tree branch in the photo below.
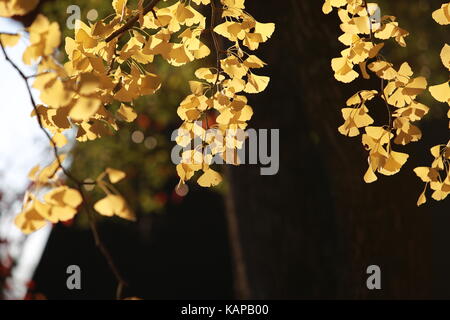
(130, 23)
(79, 184)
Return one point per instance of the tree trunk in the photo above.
(312, 230)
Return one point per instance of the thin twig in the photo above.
(383, 95)
(216, 41)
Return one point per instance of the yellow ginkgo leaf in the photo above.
(108, 205)
(30, 220)
(115, 175)
(441, 92)
(114, 205)
(120, 7)
(9, 8)
(209, 178)
(207, 74)
(126, 113)
(60, 204)
(59, 140)
(254, 62)
(394, 163)
(265, 30)
(84, 108)
(256, 84)
(355, 118)
(422, 199)
(55, 94)
(9, 40)
(427, 174)
(343, 70)
(204, 2)
(370, 176)
(361, 97)
(442, 15)
(329, 4)
(445, 56)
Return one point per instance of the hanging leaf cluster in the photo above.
(364, 35)
(110, 65)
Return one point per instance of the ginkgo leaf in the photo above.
(115, 175)
(197, 87)
(343, 70)
(361, 97)
(72, 197)
(199, 2)
(9, 8)
(209, 178)
(127, 113)
(254, 62)
(394, 163)
(427, 174)
(45, 38)
(445, 55)
(30, 220)
(108, 205)
(55, 94)
(256, 84)
(422, 199)
(207, 74)
(442, 15)
(84, 108)
(265, 30)
(119, 6)
(59, 140)
(436, 151)
(88, 84)
(329, 4)
(60, 204)
(355, 118)
(441, 92)
(383, 69)
(414, 112)
(441, 190)
(9, 40)
(114, 205)
(186, 171)
(370, 176)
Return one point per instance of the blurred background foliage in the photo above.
(142, 148)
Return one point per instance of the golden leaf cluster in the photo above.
(218, 93)
(437, 177)
(399, 89)
(110, 62)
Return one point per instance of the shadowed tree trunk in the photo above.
(312, 230)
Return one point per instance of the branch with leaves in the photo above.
(110, 66)
(364, 35)
(61, 203)
(437, 176)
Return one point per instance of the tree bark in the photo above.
(312, 230)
